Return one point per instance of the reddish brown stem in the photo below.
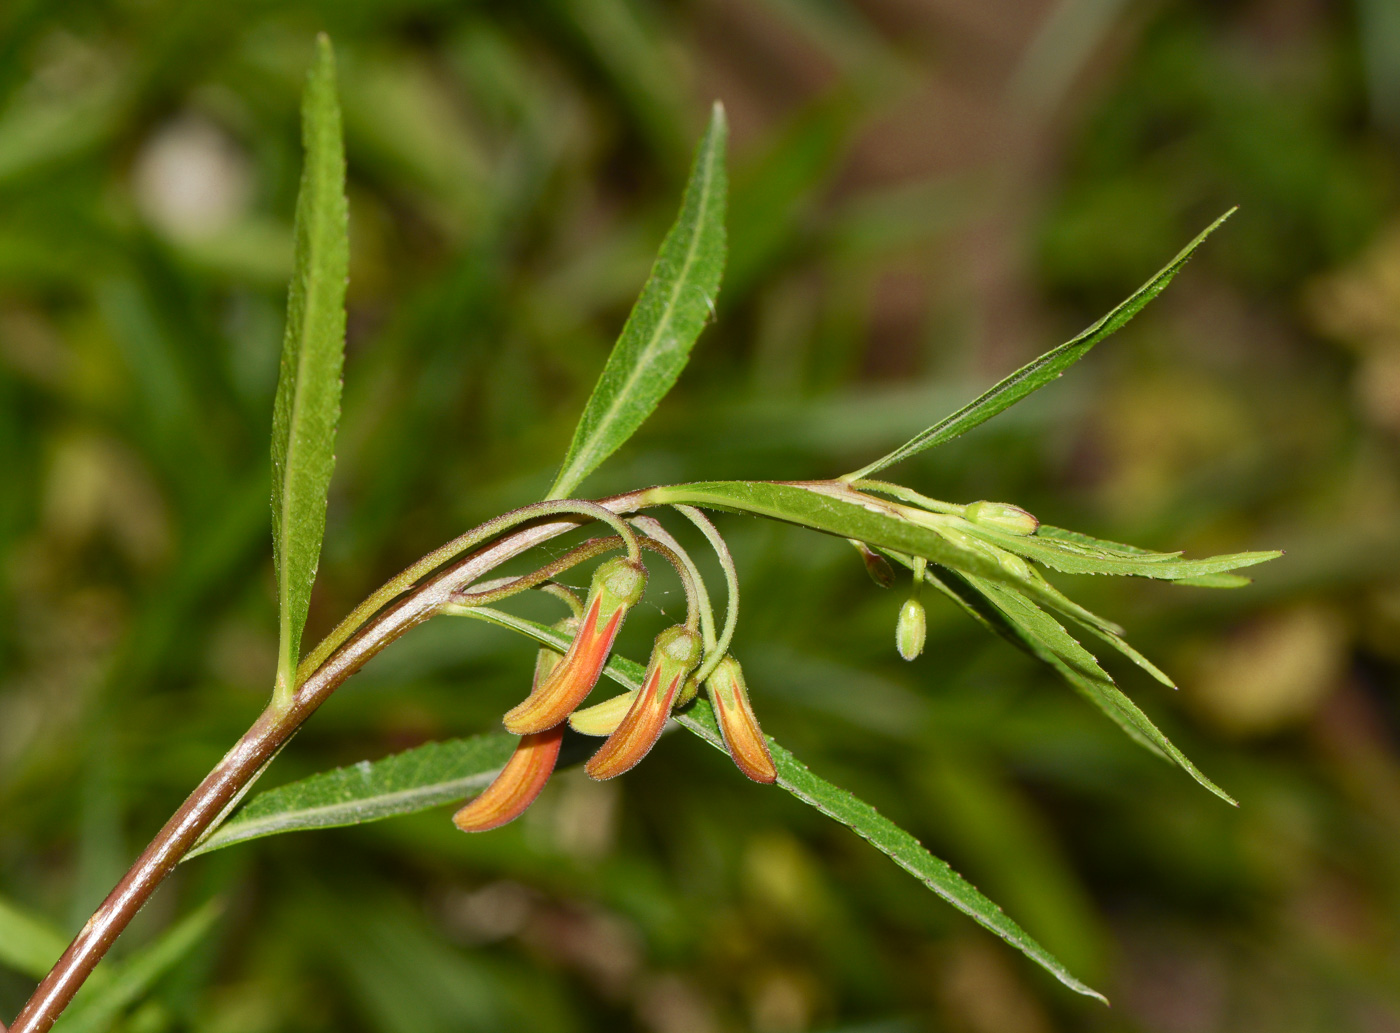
(223, 786)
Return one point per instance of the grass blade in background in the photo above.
(308, 385)
(95, 1011)
(28, 944)
(1037, 374)
(444, 772)
(403, 783)
(655, 343)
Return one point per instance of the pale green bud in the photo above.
(1001, 516)
(1015, 566)
(911, 629)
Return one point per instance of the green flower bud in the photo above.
(688, 692)
(1015, 566)
(1001, 516)
(911, 629)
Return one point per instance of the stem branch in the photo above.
(377, 626)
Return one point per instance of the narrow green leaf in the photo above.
(1037, 374)
(94, 1013)
(1047, 639)
(895, 843)
(655, 343)
(834, 509)
(415, 780)
(1073, 558)
(307, 406)
(1099, 547)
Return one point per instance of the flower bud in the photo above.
(742, 736)
(688, 692)
(911, 628)
(517, 785)
(876, 565)
(1001, 516)
(673, 656)
(617, 585)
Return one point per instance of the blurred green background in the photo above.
(925, 195)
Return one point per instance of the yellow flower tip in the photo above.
(602, 719)
(737, 723)
(676, 652)
(517, 785)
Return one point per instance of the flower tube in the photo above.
(673, 656)
(617, 585)
(742, 736)
(517, 785)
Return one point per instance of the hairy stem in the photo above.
(378, 625)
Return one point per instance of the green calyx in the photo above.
(678, 648)
(619, 582)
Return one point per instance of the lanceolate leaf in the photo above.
(1073, 558)
(427, 776)
(828, 507)
(424, 777)
(891, 840)
(1044, 637)
(1040, 372)
(308, 385)
(655, 343)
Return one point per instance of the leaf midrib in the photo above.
(254, 827)
(692, 249)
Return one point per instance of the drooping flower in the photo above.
(742, 737)
(674, 655)
(517, 785)
(617, 585)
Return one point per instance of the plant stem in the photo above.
(225, 784)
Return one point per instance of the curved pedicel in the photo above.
(516, 787)
(617, 585)
(744, 739)
(674, 655)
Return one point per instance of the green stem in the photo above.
(405, 580)
(714, 654)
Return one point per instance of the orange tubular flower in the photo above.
(617, 585)
(673, 656)
(742, 736)
(516, 787)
